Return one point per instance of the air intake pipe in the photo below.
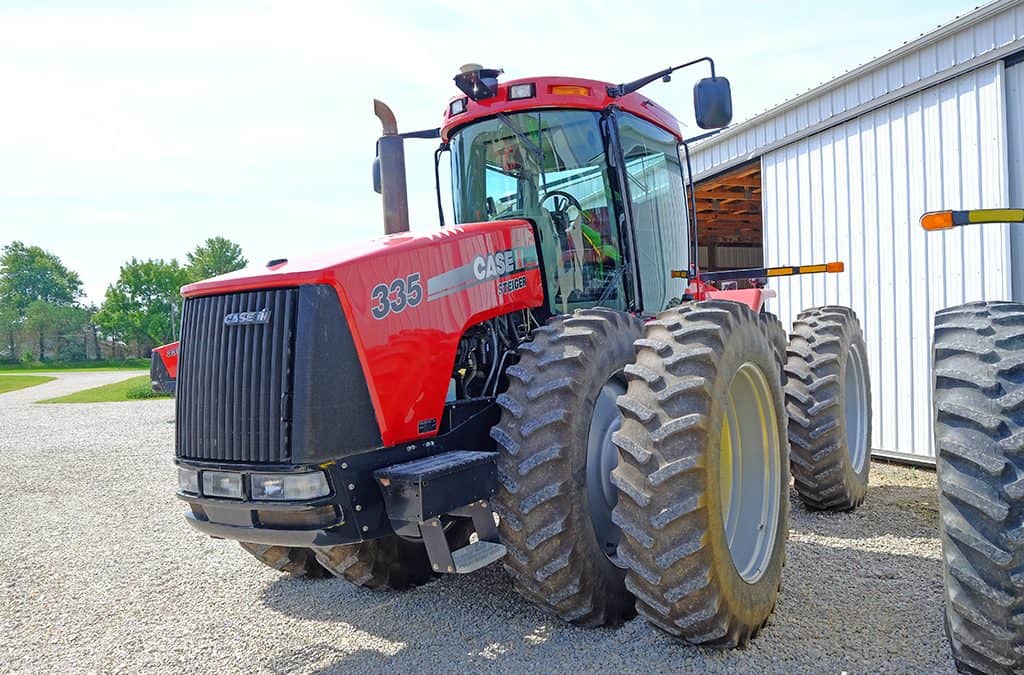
(389, 172)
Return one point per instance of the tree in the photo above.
(215, 256)
(28, 273)
(10, 325)
(138, 306)
(64, 324)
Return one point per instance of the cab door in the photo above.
(656, 199)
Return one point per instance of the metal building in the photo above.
(844, 171)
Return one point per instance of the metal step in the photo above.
(476, 555)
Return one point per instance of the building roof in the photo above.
(987, 33)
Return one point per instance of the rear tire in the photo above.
(828, 393)
(704, 541)
(298, 562)
(553, 502)
(979, 440)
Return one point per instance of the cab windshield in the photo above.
(548, 166)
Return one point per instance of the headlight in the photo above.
(289, 486)
(222, 484)
(188, 480)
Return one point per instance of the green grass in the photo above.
(126, 390)
(15, 382)
(74, 366)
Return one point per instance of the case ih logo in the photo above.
(247, 318)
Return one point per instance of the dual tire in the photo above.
(979, 439)
(699, 465)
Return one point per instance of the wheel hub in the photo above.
(750, 472)
(855, 410)
(602, 458)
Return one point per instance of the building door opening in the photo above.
(729, 225)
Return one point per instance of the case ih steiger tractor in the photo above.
(978, 395)
(550, 380)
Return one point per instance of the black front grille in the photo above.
(235, 382)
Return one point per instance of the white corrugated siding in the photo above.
(855, 192)
(983, 35)
(1015, 138)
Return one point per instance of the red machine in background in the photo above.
(163, 368)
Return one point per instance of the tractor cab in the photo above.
(600, 177)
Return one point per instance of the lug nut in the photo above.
(359, 507)
(365, 528)
(344, 465)
(351, 486)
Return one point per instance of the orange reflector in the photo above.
(834, 267)
(569, 90)
(937, 220)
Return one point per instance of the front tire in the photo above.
(554, 463)
(387, 562)
(979, 439)
(298, 562)
(704, 474)
(828, 393)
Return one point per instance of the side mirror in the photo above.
(376, 175)
(712, 103)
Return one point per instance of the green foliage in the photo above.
(138, 307)
(28, 273)
(38, 295)
(117, 391)
(144, 390)
(215, 256)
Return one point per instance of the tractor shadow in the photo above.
(841, 608)
(861, 591)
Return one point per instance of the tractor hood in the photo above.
(407, 300)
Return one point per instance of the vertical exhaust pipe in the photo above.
(391, 158)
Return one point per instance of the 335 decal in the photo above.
(396, 296)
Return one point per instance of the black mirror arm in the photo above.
(630, 87)
(701, 137)
(437, 180)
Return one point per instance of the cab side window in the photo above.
(657, 201)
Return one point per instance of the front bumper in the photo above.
(349, 514)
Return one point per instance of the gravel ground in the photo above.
(97, 575)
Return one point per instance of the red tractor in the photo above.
(978, 396)
(548, 381)
(163, 368)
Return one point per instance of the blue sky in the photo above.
(140, 129)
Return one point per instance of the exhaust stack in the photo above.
(391, 158)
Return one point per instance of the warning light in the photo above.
(937, 220)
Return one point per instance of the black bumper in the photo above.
(353, 511)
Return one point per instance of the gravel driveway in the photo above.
(99, 572)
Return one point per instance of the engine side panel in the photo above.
(408, 309)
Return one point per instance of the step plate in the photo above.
(476, 555)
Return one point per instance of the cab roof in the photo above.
(556, 92)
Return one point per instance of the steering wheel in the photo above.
(560, 214)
